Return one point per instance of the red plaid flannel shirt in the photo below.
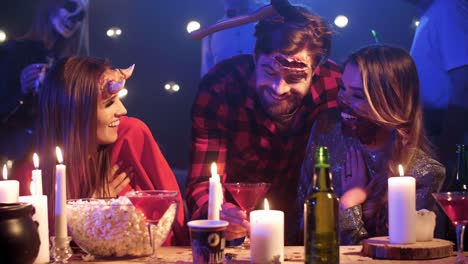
(230, 127)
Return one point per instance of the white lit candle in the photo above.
(266, 236)
(402, 209)
(41, 216)
(36, 176)
(60, 199)
(215, 197)
(9, 189)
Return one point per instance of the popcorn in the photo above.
(112, 227)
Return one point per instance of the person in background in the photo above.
(229, 42)
(440, 50)
(253, 113)
(59, 29)
(107, 154)
(379, 125)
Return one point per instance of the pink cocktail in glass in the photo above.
(455, 206)
(153, 204)
(247, 195)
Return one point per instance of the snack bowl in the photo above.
(109, 228)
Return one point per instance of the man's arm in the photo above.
(208, 145)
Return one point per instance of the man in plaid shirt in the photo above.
(252, 116)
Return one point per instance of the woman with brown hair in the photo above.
(378, 125)
(107, 154)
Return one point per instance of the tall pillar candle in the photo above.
(402, 209)
(60, 200)
(215, 197)
(266, 236)
(9, 189)
(41, 216)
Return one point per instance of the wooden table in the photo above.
(181, 255)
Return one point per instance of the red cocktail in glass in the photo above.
(155, 205)
(247, 195)
(455, 206)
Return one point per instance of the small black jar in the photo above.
(19, 238)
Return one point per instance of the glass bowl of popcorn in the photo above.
(113, 228)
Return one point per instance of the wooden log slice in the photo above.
(380, 247)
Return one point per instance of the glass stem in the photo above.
(153, 258)
(460, 228)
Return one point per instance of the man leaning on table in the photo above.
(253, 113)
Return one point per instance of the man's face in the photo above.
(67, 19)
(282, 81)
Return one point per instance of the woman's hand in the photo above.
(117, 181)
(31, 77)
(237, 218)
(354, 180)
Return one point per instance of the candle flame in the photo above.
(32, 188)
(36, 161)
(400, 169)
(5, 172)
(214, 169)
(59, 155)
(266, 206)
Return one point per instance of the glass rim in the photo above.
(451, 193)
(164, 193)
(247, 183)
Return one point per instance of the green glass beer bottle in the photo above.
(321, 237)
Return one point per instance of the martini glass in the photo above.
(455, 206)
(155, 206)
(247, 195)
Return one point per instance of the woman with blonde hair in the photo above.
(378, 125)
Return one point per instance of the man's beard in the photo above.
(280, 110)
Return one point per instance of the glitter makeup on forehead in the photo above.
(293, 70)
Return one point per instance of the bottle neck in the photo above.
(461, 174)
(322, 178)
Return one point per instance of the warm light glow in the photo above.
(214, 169)
(5, 172)
(110, 33)
(32, 188)
(3, 36)
(416, 23)
(266, 206)
(36, 161)
(172, 87)
(114, 32)
(192, 26)
(59, 155)
(400, 169)
(341, 21)
(122, 93)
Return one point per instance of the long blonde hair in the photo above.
(391, 87)
(68, 119)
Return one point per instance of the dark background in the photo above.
(155, 39)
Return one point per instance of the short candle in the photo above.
(9, 189)
(267, 236)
